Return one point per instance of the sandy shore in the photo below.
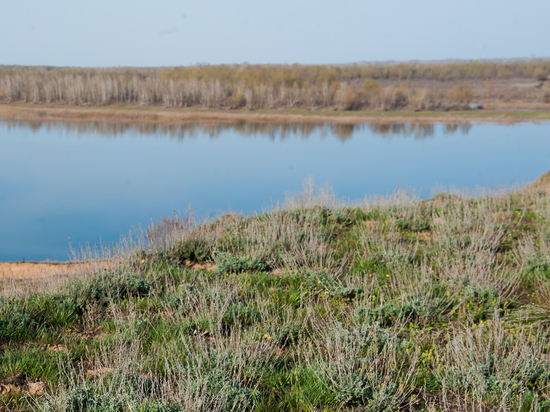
(187, 116)
(39, 270)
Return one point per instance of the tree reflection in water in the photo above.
(273, 131)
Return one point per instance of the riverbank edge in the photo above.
(176, 116)
(542, 184)
(156, 115)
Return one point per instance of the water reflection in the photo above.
(420, 131)
(272, 131)
(60, 178)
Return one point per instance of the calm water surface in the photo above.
(96, 181)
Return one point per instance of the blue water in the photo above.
(97, 181)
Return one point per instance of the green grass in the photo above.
(437, 304)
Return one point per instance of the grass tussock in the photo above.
(393, 304)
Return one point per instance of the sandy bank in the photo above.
(186, 116)
(39, 270)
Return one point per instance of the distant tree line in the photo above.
(351, 87)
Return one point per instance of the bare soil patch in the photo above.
(197, 265)
(20, 384)
(94, 373)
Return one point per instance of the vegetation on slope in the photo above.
(385, 87)
(392, 305)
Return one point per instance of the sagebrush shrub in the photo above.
(109, 286)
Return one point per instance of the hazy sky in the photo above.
(176, 32)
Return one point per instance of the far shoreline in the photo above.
(182, 116)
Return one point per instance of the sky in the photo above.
(174, 32)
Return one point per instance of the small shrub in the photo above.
(540, 74)
(375, 214)
(288, 335)
(386, 315)
(231, 394)
(83, 399)
(240, 313)
(461, 93)
(480, 302)
(343, 217)
(108, 286)
(362, 372)
(193, 250)
(539, 264)
(16, 326)
(23, 319)
(371, 264)
(413, 225)
(57, 309)
(226, 263)
(346, 292)
(319, 279)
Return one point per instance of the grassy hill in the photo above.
(395, 304)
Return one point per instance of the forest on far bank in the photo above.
(414, 86)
